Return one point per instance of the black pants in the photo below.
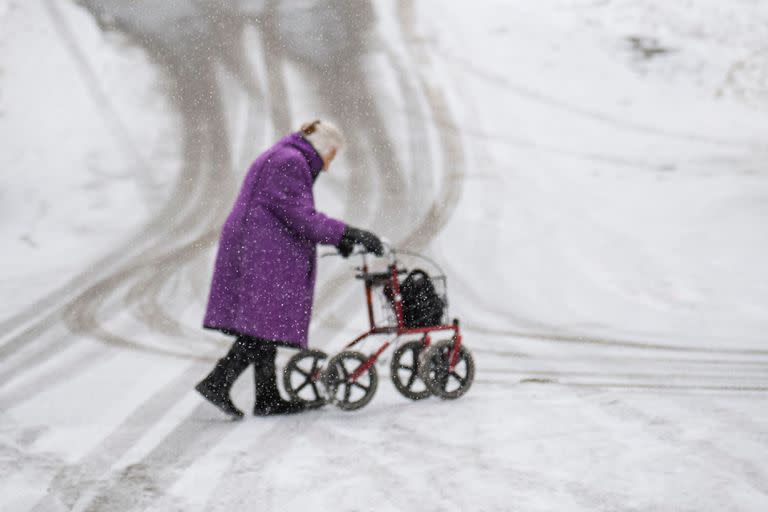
(261, 354)
(250, 349)
(247, 350)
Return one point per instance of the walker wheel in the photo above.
(436, 373)
(302, 377)
(341, 389)
(404, 370)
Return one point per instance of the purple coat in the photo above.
(264, 277)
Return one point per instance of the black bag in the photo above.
(422, 306)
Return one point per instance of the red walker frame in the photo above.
(399, 329)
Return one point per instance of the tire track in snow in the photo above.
(124, 140)
(418, 442)
(595, 340)
(114, 123)
(553, 102)
(279, 104)
(693, 387)
(742, 424)
(740, 364)
(265, 448)
(139, 484)
(632, 375)
(207, 150)
(136, 249)
(30, 389)
(95, 294)
(387, 477)
(169, 220)
(593, 372)
(453, 462)
(72, 482)
(708, 454)
(661, 390)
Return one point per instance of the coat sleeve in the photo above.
(289, 198)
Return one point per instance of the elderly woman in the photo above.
(264, 276)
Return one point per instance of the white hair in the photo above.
(323, 135)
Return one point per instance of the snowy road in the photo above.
(600, 215)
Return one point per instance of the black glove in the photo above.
(354, 236)
(346, 245)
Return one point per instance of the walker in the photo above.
(420, 367)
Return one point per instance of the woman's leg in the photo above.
(268, 399)
(216, 386)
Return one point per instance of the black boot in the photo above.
(215, 387)
(268, 399)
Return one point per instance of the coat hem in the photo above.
(236, 333)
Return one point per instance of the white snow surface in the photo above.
(599, 171)
(85, 156)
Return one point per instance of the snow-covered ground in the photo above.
(86, 158)
(593, 177)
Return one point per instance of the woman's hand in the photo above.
(365, 238)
